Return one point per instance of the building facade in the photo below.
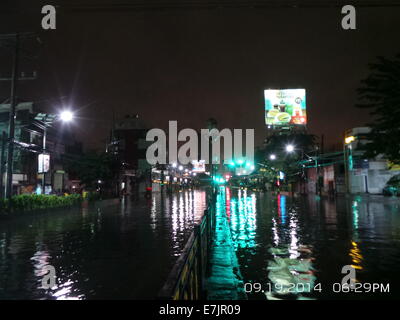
(128, 143)
(364, 175)
(28, 146)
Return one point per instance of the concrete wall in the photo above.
(356, 182)
(373, 179)
(377, 179)
(329, 178)
(312, 180)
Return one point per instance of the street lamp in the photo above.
(349, 139)
(272, 157)
(66, 116)
(47, 120)
(180, 168)
(289, 148)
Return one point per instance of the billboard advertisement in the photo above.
(285, 107)
(199, 166)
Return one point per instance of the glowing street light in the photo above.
(47, 121)
(289, 148)
(180, 168)
(66, 116)
(174, 165)
(272, 157)
(349, 139)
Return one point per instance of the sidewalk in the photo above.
(224, 281)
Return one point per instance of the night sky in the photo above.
(189, 65)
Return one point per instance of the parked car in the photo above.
(392, 187)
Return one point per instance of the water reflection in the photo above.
(290, 269)
(296, 247)
(242, 218)
(355, 252)
(115, 250)
(291, 272)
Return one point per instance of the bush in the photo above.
(3, 205)
(26, 202)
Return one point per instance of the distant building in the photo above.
(346, 171)
(364, 175)
(323, 174)
(23, 173)
(128, 143)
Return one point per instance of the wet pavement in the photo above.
(224, 281)
(286, 248)
(113, 250)
(295, 248)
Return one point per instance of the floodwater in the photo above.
(113, 250)
(296, 248)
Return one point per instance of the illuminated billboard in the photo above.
(285, 107)
(199, 166)
(43, 163)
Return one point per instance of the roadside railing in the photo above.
(186, 280)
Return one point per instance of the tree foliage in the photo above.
(304, 146)
(380, 92)
(94, 166)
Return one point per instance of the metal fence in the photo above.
(186, 280)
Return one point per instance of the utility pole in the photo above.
(317, 171)
(15, 37)
(11, 126)
(44, 151)
(2, 162)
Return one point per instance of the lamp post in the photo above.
(2, 162)
(64, 116)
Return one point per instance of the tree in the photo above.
(94, 166)
(287, 162)
(380, 92)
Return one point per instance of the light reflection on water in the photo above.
(112, 251)
(286, 243)
(243, 219)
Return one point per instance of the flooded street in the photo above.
(296, 248)
(114, 250)
(287, 248)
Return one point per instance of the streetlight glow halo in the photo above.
(66, 116)
(289, 148)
